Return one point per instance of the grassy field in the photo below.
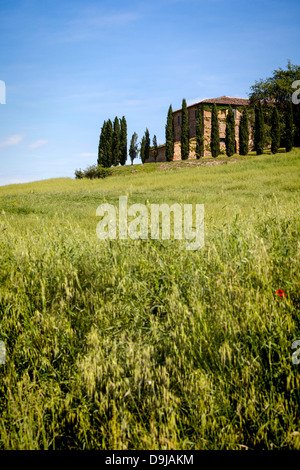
(142, 344)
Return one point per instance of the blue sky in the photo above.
(70, 65)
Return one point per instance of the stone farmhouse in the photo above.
(222, 105)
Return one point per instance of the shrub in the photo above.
(79, 174)
(93, 172)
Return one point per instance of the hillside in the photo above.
(225, 186)
(142, 344)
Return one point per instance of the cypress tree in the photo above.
(185, 141)
(259, 131)
(116, 142)
(289, 127)
(133, 147)
(215, 136)
(123, 141)
(199, 133)
(108, 144)
(147, 145)
(256, 119)
(275, 131)
(170, 135)
(155, 149)
(230, 133)
(142, 149)
(101, 144)
(244, 133)
(296, 122)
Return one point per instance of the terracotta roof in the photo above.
(227, 100)
(221, 100)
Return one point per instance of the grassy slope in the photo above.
(224, 189)
(142, 344)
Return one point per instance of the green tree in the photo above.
(155, 149)
(123, 141)
(147, 145)
(185, 140)
(289, 127)
(142, 149)
(244, 133)
(215, 135)
(116, 142)
(199, 133)
(101, 146)
(108, 145)
(133, 149)
(275, 131)
(278, 89)
(259, 130)
(170, 135)
(230, 133)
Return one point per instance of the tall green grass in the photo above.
(142, 344)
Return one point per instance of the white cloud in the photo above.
(37, 143)
(12, 140)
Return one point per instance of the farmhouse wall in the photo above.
(223, 102)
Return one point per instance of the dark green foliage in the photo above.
(101, 145)
(155, 149)
(79, 174)
(279, 89)
(289, 127)
(170, 135)
(108, 145)
(116, 143)
(259, 130)
(244, 133)
(230, 133)
(185, 141)
(147, 145)
(142, 149)
(93, 172)
(112, 148)
(123, 141)
(275, 131)
(199, 133)
(133, 149)
(296, 120)
(215, 135)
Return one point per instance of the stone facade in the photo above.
(222, 104)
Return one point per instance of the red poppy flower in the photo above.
(280, 293)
